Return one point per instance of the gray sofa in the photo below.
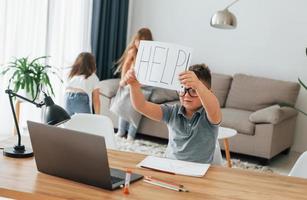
(249, 105)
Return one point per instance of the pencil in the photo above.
(162, 181)
(171, 186)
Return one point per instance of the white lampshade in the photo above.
(223, 19)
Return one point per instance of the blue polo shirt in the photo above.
(189, 139)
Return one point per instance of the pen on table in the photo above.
(165, 184)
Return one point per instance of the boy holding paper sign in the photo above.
(193, 125)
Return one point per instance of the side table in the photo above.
(225, 133)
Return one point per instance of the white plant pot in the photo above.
(24, 94)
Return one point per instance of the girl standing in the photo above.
(125, 63)
(82, 88)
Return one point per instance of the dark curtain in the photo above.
(109, 30)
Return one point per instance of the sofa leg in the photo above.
(264, 161)
(286, 151)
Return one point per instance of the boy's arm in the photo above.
(150, 110)
(96, 101)
(207, 98)
(211, 104)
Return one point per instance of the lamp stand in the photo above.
(55, 115)
(18, 151)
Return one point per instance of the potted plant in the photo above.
(29, 75)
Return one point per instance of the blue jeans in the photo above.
(124, 126)
(77, 103)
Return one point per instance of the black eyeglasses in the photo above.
(190, 91)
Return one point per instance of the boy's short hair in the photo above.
(203, 73)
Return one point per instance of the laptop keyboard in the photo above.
(115, 179)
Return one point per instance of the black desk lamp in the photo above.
(54, 115)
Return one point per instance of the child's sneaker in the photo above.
(130, 138)
(120, 134)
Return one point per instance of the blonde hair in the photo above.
(85, 64)
(142, 34)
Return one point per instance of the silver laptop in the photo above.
(74, 155)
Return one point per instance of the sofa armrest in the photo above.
(272, 114)
(109, 87)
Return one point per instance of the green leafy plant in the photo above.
(29, 75)
(292, 106)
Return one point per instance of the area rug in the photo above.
(157, 149)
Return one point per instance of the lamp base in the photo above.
(18, 152)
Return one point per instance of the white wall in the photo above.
(270, 39)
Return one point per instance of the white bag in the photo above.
(121, 105)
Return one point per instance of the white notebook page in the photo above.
(175, 166)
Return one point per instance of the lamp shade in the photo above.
(223, 19)
(54, 114)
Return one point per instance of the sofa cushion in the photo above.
(109, 87)
(160, 95)
(238, 119)
(254, 93)
(220, 86)
(272, 114)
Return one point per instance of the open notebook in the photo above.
(174, 166)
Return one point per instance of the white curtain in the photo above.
(70, 30)
(57, 28)
(23, 33)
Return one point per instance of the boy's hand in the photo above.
(190, 80)
(130, 77)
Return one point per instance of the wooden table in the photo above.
(20, 179)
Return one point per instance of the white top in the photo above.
(226, 133)
(87, 85)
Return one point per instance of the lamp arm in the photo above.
(231, 4)
(18, 151)
(13, 94)
(15, 118)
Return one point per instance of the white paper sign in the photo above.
(159, 64)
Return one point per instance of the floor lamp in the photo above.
(224, 19)
(53, 115)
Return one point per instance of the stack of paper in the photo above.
(174, 166)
